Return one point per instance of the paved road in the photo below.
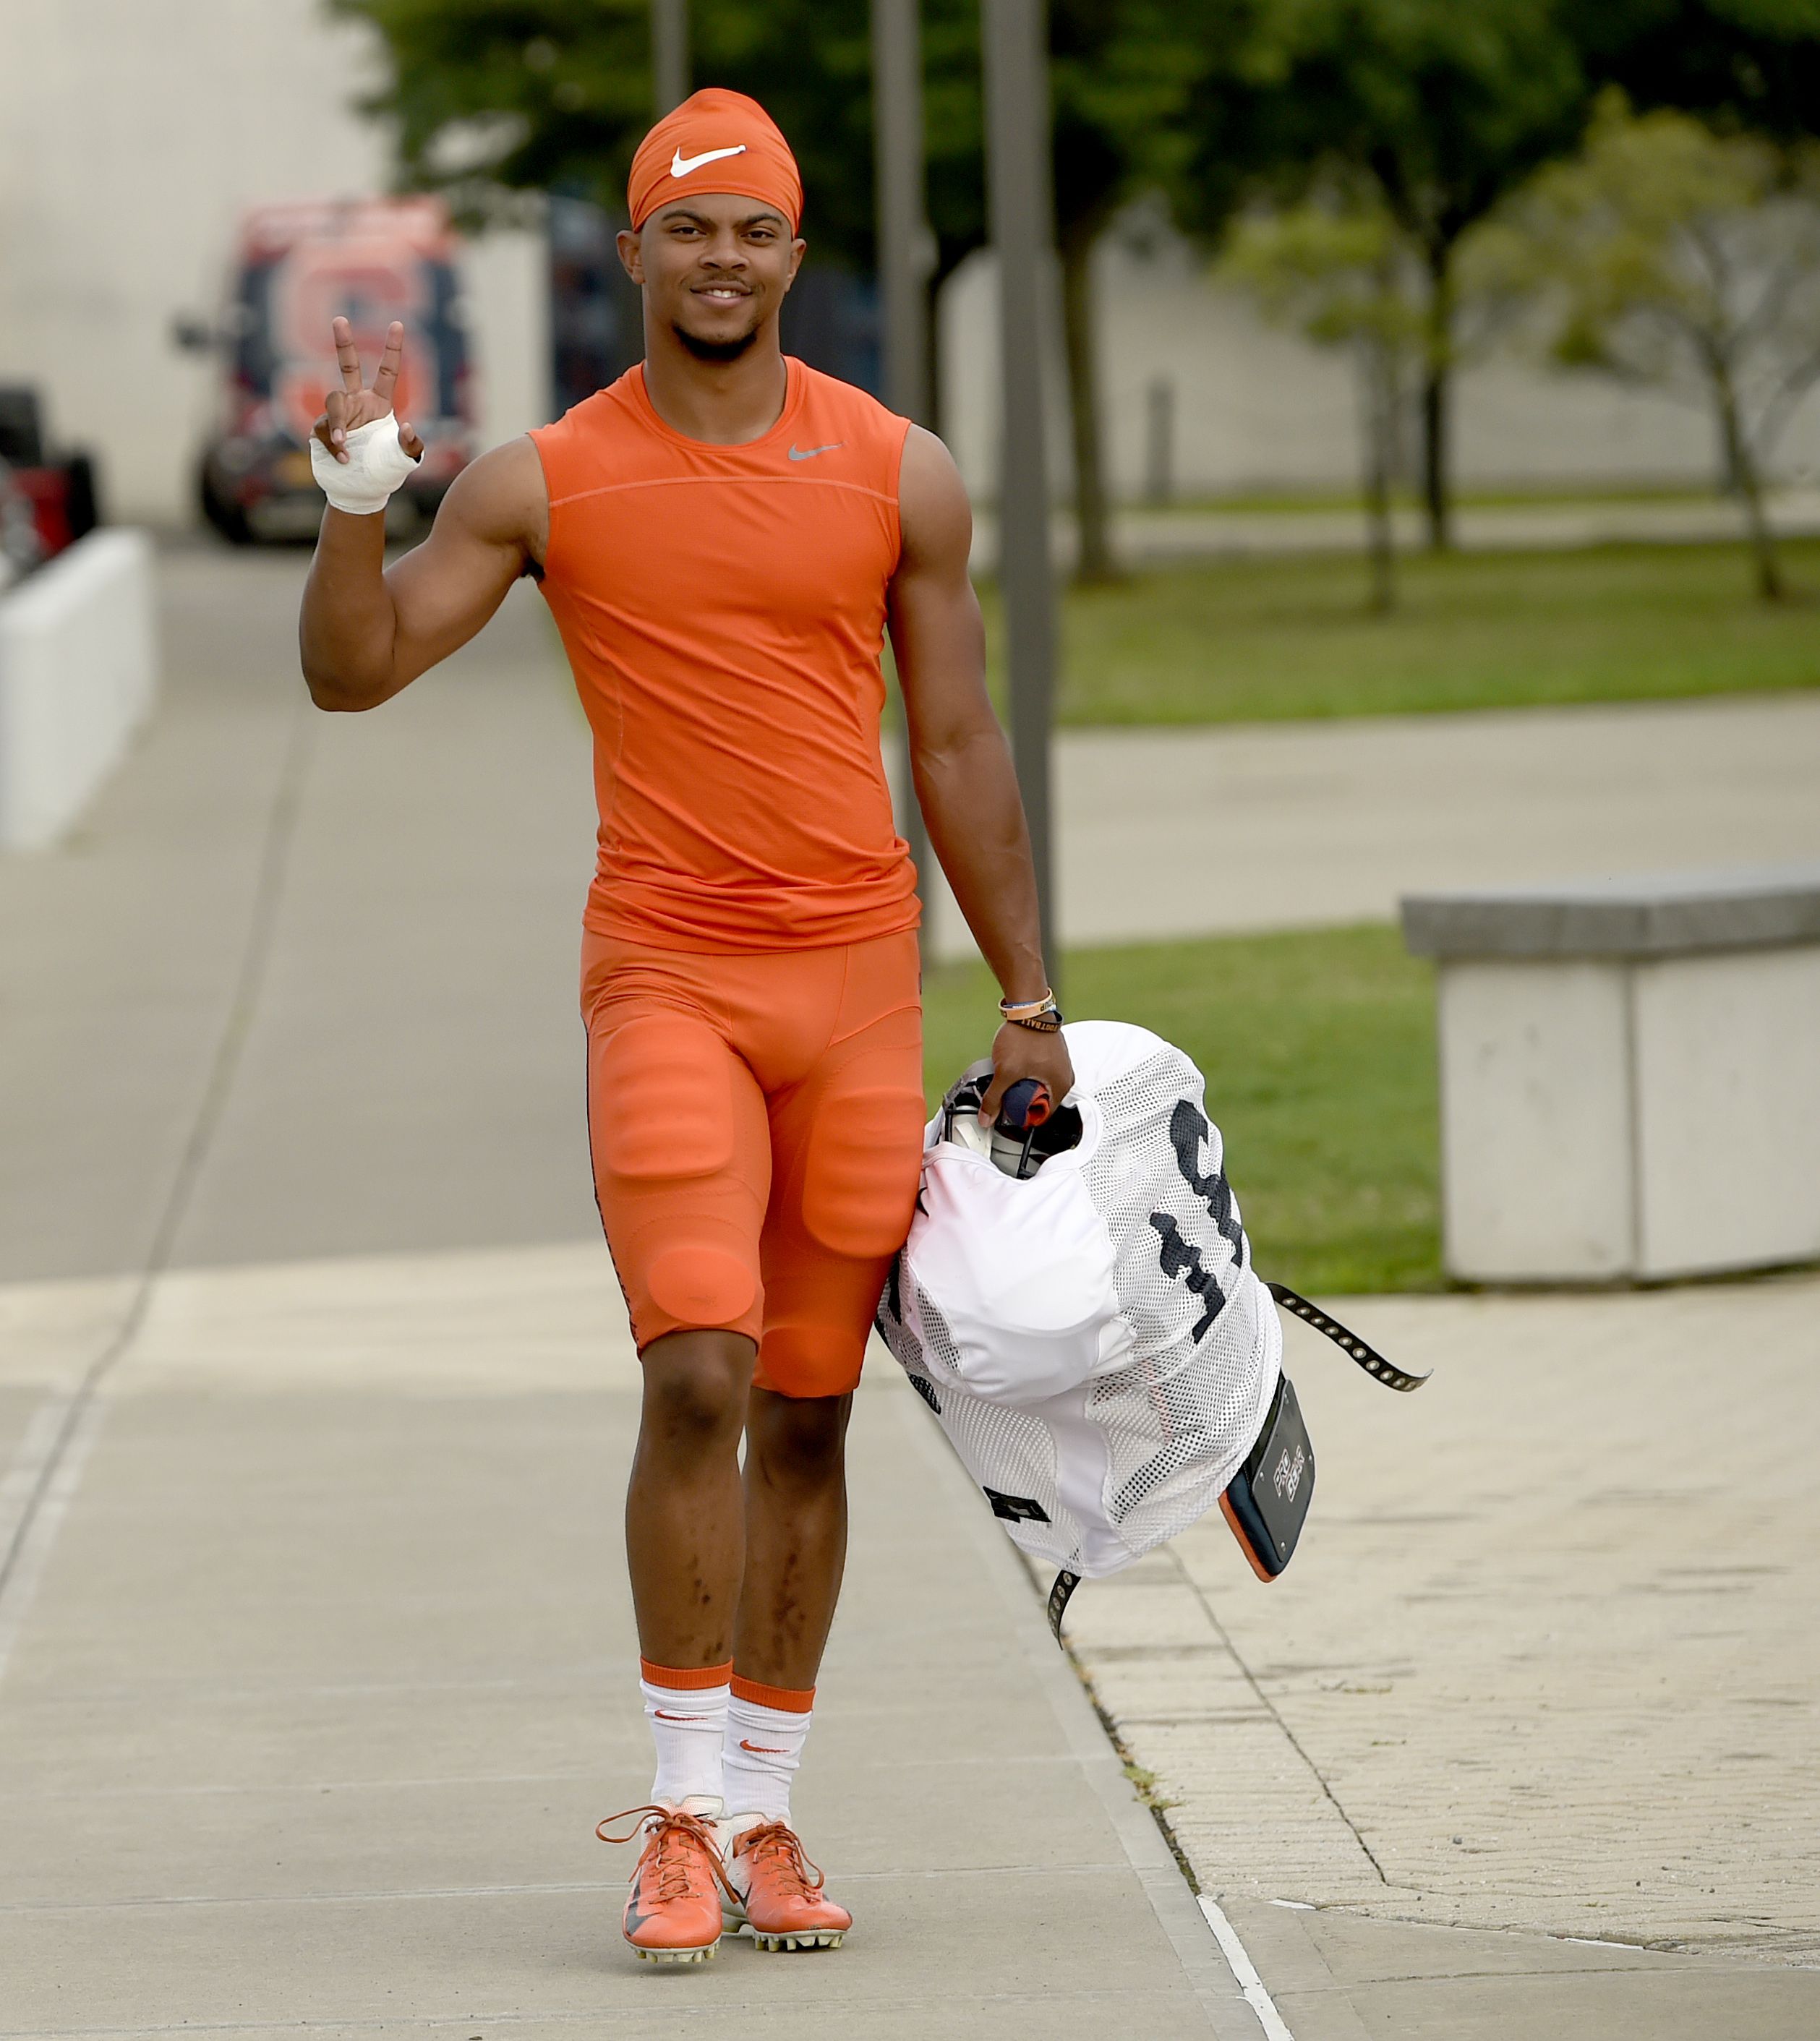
(316, 1663)
(378, 914)
(1268, 826)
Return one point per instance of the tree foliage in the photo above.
(1741, 65)
(1688, 261)
(1437, 110)
(557, 94)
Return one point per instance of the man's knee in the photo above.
(799, 1441)
(695, 1386)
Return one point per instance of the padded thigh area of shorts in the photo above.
(667, 1100)
(860, 1171)
(696, 1281)
(681, 1169)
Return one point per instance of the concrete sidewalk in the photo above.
(1545, 1668)
(317, 1669)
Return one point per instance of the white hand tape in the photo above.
(376, 465)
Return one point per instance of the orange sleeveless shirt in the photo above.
(724, 610)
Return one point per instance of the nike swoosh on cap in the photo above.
(681, 166)
(809, 453)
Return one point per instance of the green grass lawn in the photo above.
(1318, 1048)
(1227, 641)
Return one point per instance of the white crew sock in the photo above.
(764, 1748)
(688, 1726)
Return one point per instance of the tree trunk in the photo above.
(1377, 398)
(1437, 372)
(1742, 463)
(1095, 561)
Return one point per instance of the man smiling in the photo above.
(723, 537)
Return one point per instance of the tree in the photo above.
(1118, 71)
(1440, 109)
(1741, 64)
(1688, 261)
(556, 94)
(1336, 269)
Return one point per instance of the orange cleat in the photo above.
(776, 1893)
(673, 1913)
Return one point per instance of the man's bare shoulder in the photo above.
(503, 498)
(934, 516)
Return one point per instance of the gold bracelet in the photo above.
(1027, 1009)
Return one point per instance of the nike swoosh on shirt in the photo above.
(681, 166)
(809, 453)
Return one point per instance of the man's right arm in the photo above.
(365, 632)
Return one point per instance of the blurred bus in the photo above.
(295, 268)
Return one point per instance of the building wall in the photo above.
(132, 133)
(1256, 409)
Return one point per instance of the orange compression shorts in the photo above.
(756, 1124)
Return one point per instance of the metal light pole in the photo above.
(670, 54)
(1014, 33)
(905, 259)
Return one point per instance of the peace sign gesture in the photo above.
(355, 405)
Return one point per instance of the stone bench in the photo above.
(1629, 1074)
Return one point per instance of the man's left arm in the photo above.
(959, 762)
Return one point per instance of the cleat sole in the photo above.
(812, 1938)
(666, 1957)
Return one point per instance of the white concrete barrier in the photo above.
(1630, 1075)
(78, 672)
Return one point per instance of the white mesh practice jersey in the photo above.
(1093, 1338)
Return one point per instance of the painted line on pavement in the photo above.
(1245, 1971)
(52, 1485)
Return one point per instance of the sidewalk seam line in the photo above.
(1270, 1708)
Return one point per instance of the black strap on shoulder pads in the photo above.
(1349, 1343)
(1066, 1584)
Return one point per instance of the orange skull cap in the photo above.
(715, 141)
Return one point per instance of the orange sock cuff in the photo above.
(684, 1679)
(792, 1700)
